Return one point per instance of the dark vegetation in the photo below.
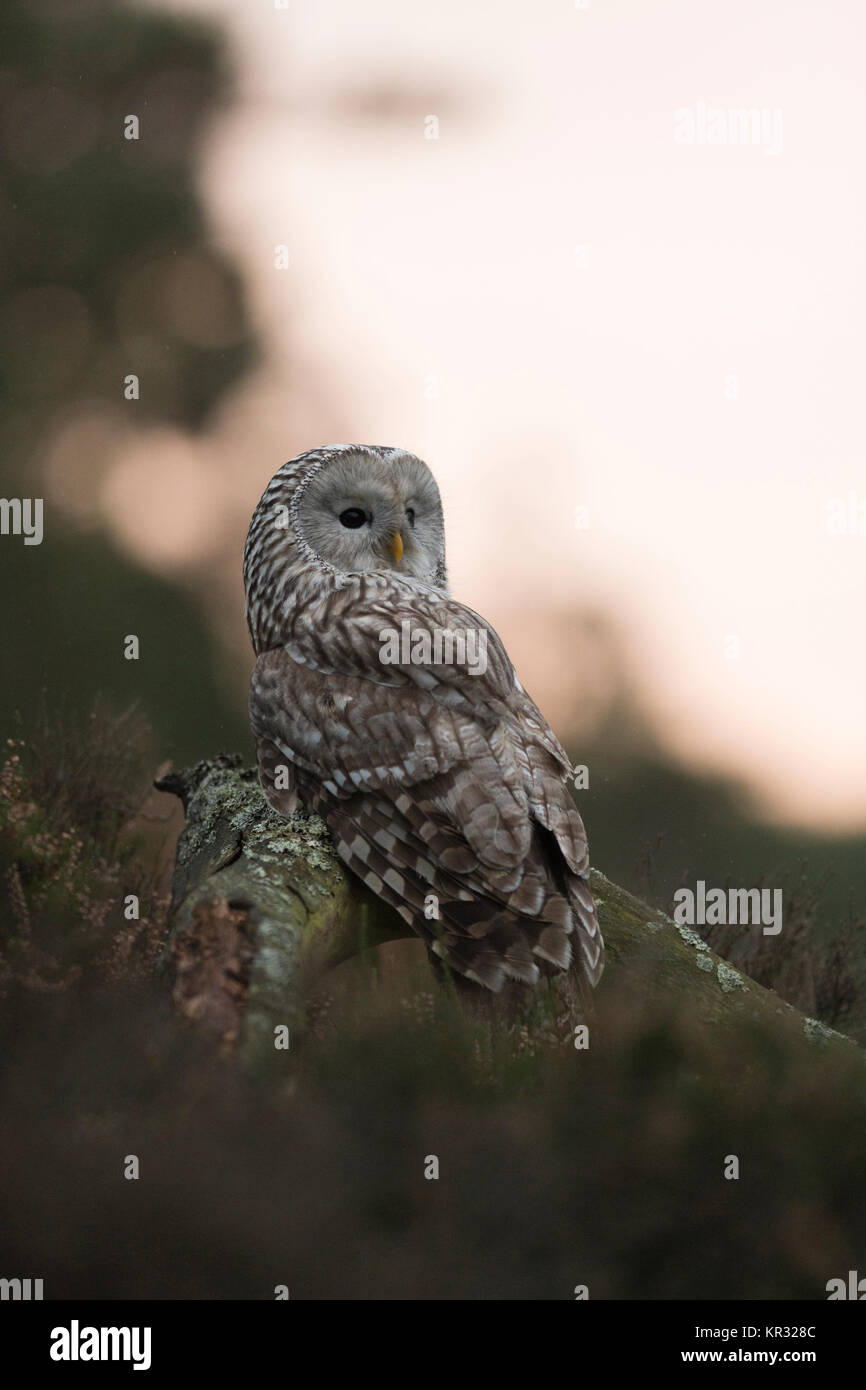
(655, 827)
(557, 1166)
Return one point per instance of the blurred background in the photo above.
(601, 265)
(503, 239)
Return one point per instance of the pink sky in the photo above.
(667, 334)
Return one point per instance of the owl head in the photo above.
(342, 510)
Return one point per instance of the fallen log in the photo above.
(262, 907)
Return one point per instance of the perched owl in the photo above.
(394, 713)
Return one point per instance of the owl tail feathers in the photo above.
(491, 950)
(484, 965)
(507, 949)
(590, 945)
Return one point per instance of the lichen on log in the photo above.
(262, 906)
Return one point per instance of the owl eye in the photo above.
(410, 515)
(353, 517)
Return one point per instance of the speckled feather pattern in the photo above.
(431, 780)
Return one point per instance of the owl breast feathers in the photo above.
(394, 713)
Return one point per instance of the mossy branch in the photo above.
(261, 906)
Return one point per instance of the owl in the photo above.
(393, 712)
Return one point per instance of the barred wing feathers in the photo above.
(432, 781)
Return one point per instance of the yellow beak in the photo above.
(397, 547)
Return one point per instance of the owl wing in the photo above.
(433, 781)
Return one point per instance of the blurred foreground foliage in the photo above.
(557, 1166)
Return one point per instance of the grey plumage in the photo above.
(432, 780)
